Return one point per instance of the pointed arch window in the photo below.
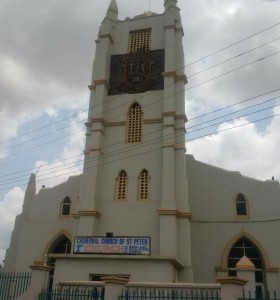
(144, 185)
(241, 205)
(121, 186)
(244, 247)
(63, 246)
(134, 124)
(65, 207)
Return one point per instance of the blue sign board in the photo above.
(112, 245)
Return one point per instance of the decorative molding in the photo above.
(107, 36)
(183, 116)
(169, 114)
(41, 268)
(115, 279)
(175, 212)
(119, 123)
(181, 128)
(184, 215)
(88, 123)
(269, 269)
(167, 145)
(87, 213)
(231, 280)
(168, 125)
(272, 269)
(180, 147)
(221, 269)
(152, 121)
(105, 82)
(180, 29)
(167, 212)
(98, 130)
(170, 259)
(102, 82)
(95, 148)
(172, 26)
(98, 120)
(169, 74)
(181, 78)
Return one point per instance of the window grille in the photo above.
(143, 185)
(121, 186)
(134, 124)
(139, 40)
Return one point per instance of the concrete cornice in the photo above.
(181, 78)
(175, 212)
(87, 213)
(105, 82)
(41, 268)
(174, 260)
(176, 76)
(169, 114)
(183, 116)
(107, 36)
(169, 74)
(119, 123)
(176, 29)
(231, 280)
(152, 121)
(171, 26)
(115, 279)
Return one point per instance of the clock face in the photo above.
(136, 72)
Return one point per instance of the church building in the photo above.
(143, 209)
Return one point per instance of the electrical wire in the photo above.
(203, 58)
(156, 149)
(186, 89)
(152, 132)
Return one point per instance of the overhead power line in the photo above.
(186, 89)
(234, 44)
(145, 152)
(202, 58)
(150, 133)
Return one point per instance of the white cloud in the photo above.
(243, 148)
(70, 161)
(46, 58)
(9, 208)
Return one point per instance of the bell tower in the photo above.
(134, 180)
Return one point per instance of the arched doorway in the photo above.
(61, 244)
(244, 247)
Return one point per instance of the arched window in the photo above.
(62, 246)
(143, 185)
(134, 124)
(65, 207)
(244, 247)
(241, 205)
(121, 186)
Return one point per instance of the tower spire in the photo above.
(113, 11)
(170, 3)
(29, 193)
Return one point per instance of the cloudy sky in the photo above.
(46, 51)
